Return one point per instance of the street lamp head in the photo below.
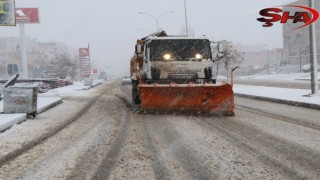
(154, 18)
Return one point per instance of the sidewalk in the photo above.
(45, 102)
(288, 96)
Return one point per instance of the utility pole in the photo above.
(186, 17)
(313, 55)
(268, 61)
(23, 51)
(300, 59)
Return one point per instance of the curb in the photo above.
(95, 85)
(44, 109)
(305, 79)
(280, 101)
(89, 87)
(25, 118)
(18, 120)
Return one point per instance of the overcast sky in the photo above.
(112, 26)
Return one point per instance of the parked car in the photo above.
(126, 80)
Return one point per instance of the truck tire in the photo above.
(135, 92)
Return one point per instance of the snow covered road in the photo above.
(110, 140)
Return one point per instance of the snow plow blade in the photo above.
(212, 98)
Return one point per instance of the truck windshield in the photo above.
(180, 49)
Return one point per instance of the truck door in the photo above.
(146, 61)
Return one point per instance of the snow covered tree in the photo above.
(232, 57)
(64, 65)
(74, 66)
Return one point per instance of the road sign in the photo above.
(27, 15)
(84, 62)
(7, 15)
(84, 51)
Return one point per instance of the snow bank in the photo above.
(297, 95)
(284, 77)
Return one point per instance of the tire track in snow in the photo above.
(278, 117)
(191, 164)
(111, 158)
(291, 160)
(160, 170)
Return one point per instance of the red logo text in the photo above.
(272, 15)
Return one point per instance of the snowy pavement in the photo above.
(292, 96)
(275, 94)
(45, 101)
(77, 89)
(281, 77)
(43, 104)
(298, 95)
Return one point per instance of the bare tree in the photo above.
(74, 66)
(63, 65)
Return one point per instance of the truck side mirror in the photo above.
(220, 51)
(220, 55)
(220, 48)
(138, 49)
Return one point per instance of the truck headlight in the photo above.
(167, 56)
(198, 56)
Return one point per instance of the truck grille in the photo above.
(183, 76)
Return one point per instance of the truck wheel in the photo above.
(135, 92)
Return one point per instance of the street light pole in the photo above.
(23, 51)
(300, 60)
(268, 61)
(156, 19)
(186, 17)
(313, 55)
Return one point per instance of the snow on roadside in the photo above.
(285, 77)
(7, 120)
(278, 93)
(45, 101)
(77, 89)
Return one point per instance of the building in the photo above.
(38, 54)
(260, 55)
(296, 41)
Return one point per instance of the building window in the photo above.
(293, 52)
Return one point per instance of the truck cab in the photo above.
(177, 59)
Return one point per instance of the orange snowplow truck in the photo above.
(174, 73)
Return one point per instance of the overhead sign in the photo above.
(27, 15)
(84, 51)
(84, 62)
(7, 16)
